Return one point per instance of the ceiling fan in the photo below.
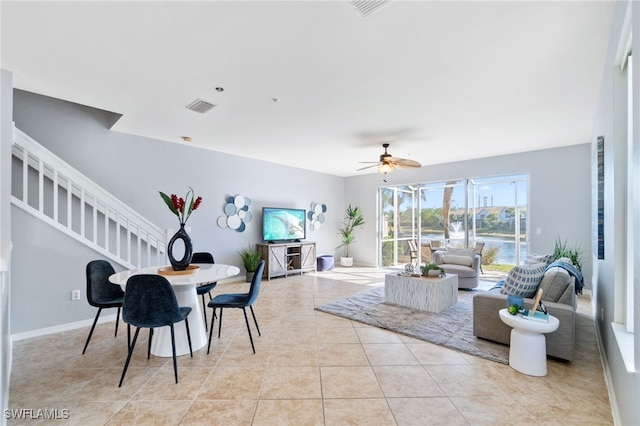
(387, 163)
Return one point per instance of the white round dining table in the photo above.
(184, 286)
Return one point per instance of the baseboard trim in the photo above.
(615, 413)
(60, 328)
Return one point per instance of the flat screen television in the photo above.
(282, 224)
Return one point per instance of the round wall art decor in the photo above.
(236, 213)
(316, 215)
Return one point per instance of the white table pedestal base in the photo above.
(528, 346)
(161, 343)
(528, 352)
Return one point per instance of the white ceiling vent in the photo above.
(200, 106)
(367, 7)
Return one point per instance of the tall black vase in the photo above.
(182, 264)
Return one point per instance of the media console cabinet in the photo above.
(283, 259)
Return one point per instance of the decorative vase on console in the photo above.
(183, 210)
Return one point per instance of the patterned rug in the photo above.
(452, 328)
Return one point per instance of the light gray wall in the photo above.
(559, 196)
(610, 123)
(6, 138)
(134, 169)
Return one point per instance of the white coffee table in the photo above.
(528, 347)
(431, 294)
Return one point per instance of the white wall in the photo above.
(135, 169)
(559, 196)
(6, 126)
(624, 386)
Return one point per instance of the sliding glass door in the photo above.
(457, 213)
(500, 212)
(398, 224)
(443, 213)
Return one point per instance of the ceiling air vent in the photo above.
(200, 106)
(367, 7)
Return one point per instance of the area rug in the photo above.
(452, 328)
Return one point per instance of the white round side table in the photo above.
(528, 347)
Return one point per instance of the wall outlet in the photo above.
(75, 294)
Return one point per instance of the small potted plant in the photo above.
(353, 219)
(251, 259)
(432, 270)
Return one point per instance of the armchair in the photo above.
(464, 263)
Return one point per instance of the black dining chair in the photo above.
(204, 257)
(238, 300)
(101, 293)
(150, 302)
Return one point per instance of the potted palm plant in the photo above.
(251, 259)
(353, 219)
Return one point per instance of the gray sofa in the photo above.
(467, 275)
(560, 343)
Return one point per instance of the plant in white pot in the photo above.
(353, 219)
(251, 259)
(432, 270)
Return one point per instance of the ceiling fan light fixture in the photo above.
(385, 168)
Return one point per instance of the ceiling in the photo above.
(315, 85)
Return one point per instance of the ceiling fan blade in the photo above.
(367, 167)
(389, 161)
(404, 162)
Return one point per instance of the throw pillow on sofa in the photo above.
(523, 280)
(533, 259)
(461, 252)
(457, 260)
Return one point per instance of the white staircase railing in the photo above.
(58, 194)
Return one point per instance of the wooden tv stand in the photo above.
(283, 259)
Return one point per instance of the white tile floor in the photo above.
(309, 368)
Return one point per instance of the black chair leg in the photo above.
(126, 364)
(214, 311)
(186, 323)
(128, 337)
(204, 312)
(246, 320)
(149, 347)
(91, 332)
(213, 318)
(173, 349)
(117, 322)
(254, 320)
